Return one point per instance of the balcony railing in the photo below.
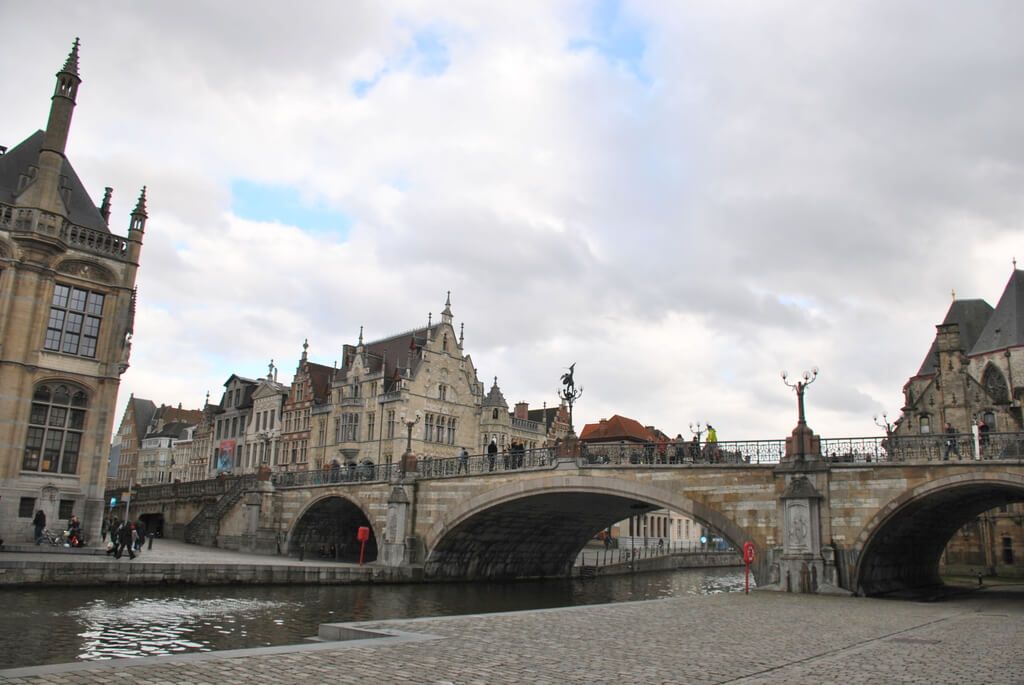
(24, 220)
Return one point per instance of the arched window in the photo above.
(56, 423)
(494, 415)
(995, 384)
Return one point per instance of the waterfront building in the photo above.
(263, 431)
(421, 376)
(67, 297)
(232, 415)
(974, 371)
(311, 387)
(130, 433)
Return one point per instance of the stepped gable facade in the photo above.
(67, 297)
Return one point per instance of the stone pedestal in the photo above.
(407, 464)
(395, 550)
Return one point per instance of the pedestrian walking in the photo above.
(127, 537)
(140, 537)
(463, 462)
(951, 442)
(38, 525)
(983, 429)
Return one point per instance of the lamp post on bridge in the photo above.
(803, 442)
(889, 444)
(408, 463)
(698, 429)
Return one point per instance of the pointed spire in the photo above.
(71, 65)
(139, 215)
(446, 315)
(360, 335)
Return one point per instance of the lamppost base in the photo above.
(408, 463)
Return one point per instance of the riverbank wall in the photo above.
(670, 562)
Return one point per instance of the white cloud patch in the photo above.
(684, 203)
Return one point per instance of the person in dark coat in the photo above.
(140, 534)
(38, 524)
(492, 455)
(126, 539)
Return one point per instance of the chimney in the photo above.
(522, 410)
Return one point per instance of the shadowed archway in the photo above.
(902, 546)
(328, 529)
(535, 529)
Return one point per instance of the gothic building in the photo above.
(67, 304)
(974, 369)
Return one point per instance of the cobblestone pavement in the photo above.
(730, 638)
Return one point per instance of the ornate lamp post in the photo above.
(889, 443)
(802, 442)
(408, 464)
(569, 393)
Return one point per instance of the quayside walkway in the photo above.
(731, 638)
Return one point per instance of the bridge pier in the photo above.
(399, 548)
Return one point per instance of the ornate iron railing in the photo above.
(352, 473)
(680, 453)
(475, 464)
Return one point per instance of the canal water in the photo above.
(60, 625)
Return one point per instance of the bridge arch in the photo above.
(900, 547)
(535, 528)
(327, 526)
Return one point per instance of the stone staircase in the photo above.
(203, 528)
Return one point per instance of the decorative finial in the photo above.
(71, 65)
(1014, 263)
(953, 293)
(270, 370)
(140, 206)
(360, 335)
(430, 318)
(207, 398)
(448, 300)
(495, 380)
(305, 348)
(105, 205)
(462, 328)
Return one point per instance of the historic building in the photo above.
(310, 388)
(263, 431)
(134, 425)
(974, 371)
(232, 415)
(67, 302)
(526, 427)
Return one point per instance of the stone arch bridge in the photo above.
(853, 516)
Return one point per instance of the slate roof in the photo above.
(391, 354)
(614, 429)
(971, 316)
(144, 411)
(494, 397)
(545, 416)
(320, 379)
(1005, 327)
(81, 209)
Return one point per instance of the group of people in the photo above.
(512, 458)
(125, 536)
(73, 536)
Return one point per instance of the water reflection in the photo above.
(61, 625)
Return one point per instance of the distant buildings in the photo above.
(357, 412)
(67, 297)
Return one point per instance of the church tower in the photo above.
(67, 305)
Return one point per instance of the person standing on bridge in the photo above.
(951, 446)
(463, 462)
(712, 444)
(492, 454)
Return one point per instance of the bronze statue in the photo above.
(567, 380)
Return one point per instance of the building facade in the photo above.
(973, 374)
(67, 297)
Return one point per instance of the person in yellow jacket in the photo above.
(712, 444)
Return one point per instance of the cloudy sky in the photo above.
(684, 198)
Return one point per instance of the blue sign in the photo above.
(113, 501)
